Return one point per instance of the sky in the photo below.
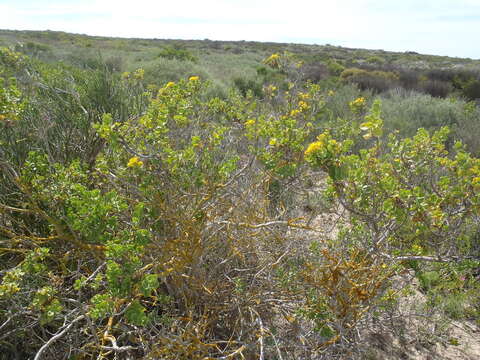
(437, 27)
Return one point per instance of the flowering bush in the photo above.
(163, 223)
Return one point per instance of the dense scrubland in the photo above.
(166, 199)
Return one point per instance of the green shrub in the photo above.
(177, 52)
(376, 80)
(163, 221)
(334, 67)
(471, 89)
(375, 60)
(165, 70)
(248, 85)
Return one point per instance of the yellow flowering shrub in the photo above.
(273, 60)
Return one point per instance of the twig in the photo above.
(279, 353)
(428, 258)
(115, 347)
(230, 356)
(57, 336)
(262, 331)
(5, 323)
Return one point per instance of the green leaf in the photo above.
(135, 314)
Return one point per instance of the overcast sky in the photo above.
(440, 27)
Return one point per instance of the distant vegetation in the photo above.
(165, 199)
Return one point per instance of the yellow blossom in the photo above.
(194, 78)
(138, 74)
(302, 105)
(294, 112)
(250, 122)
(273, 141)
(169, 84)
(135, 162)
(304, 96)
(357, 105)
(273, 60)
(314, 147)
(417, 249)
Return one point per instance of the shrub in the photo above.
(245, 86)
(177, 52)
(435, 88)
(334, 67)
(314, 72)
(407, 111)
(376, 80)
(471, 89)
(165, 70)
(375, 60)
(164, 222)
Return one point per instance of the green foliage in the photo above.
(163, 221)
(471, 89)
(246, 86)
(135, 314)
(10, 59)
(334, 67)
(11, 104)
(375, 60)
(177, 53)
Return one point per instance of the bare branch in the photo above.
(57, 336)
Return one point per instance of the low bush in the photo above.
(376, 80)
(176, 52)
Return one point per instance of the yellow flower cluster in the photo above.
(303, 105)
(294, 112)
(170, 84)
(324, 144)
(270, 90)
(250, 122)
(317, 145)
(138, 74)
(135, 162)
(273, 60)
(194, 78)
(303, 96)
(358, 101)
(417, 249)
(314, 147)
(357, 105)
